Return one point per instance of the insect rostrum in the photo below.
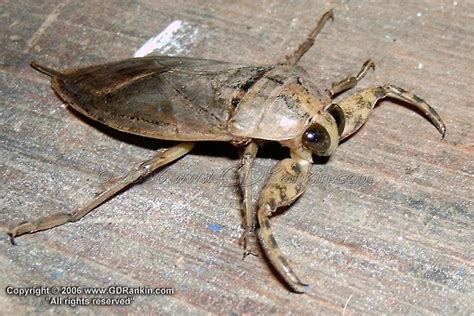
(191, 100)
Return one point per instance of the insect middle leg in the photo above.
(286, 183)
(351, 81)
(245, 182)
(309, 42)
(143, 169)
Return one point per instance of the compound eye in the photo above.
(338, 115)
(317, 139)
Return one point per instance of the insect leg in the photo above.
(309, 42)
(245, 185)
(357, 107)
(142, 170)
(286, 183)
(351, 81)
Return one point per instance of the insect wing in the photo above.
(172, 98)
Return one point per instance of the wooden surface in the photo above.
(398, 241)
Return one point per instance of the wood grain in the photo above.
(398, 241)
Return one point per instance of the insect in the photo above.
(190, 100)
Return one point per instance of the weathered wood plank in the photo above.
(399, 241)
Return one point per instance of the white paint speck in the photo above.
(390, 38)
(420, 65)
(419, 14)
(294, 22)
(160, 40)
(455, 3)
(171, 38)
(17, 126)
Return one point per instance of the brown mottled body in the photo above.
(190, 99)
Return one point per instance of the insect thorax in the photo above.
(279, 106)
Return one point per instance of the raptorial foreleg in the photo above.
(355, 109)
(286, 183)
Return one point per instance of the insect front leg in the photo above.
(143, 169)
(351, 81)
(248, 211)
(286, 183)
(355, 109)
(309, 42)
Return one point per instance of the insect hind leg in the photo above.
(293, 58)
(143, 169)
